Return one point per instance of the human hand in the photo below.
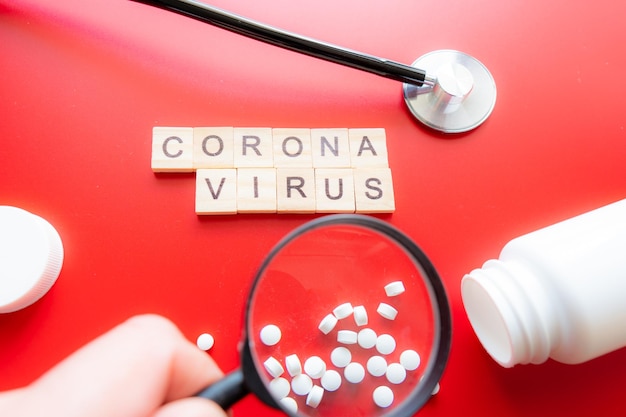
(141, 368)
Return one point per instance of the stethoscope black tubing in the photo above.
(291, 41)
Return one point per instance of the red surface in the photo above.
(81, 87)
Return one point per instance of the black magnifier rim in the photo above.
(443, 341)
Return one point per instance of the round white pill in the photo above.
(294, 367)
(328, 323)
(394, 288)
(385, 344)
(354, 372)
(205, 341)
(343, 310)
(347, 337)
(315, 367)
(410, 359)
(289, 404)
(340, 357)
(383, 396)
(315, 396)
(331, 381)
(367, 338)
(436, 389)
(387, 311)
(360, 315)
(396, 374)
(376, 366)
(279, 387)
(301, 384)
(270, 335)
(273, 367)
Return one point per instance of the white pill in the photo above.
(410, 359)
(343, 310)
(315, 367)
(273, 367)
(315, 396)
(301, 384)
(360, 315)
(387, 311)
(436, 389)
(396, 374)
(347, 337)
(205, 341)
(327, 324)
(340, 357)
(293, 365)
(289, 404)
(385, 344)
(394, 288)
(270, 335)
(331, 381)
(367, 338)
(354, 372)
(279, 387)
(383, 396)
(377, 366)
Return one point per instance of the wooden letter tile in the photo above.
(292, 148)
(334, 190)
(213, 147)
(256, 190)
(253, 147)
(295, 190)
(331, 148)
(368, 148)
(374, 190)
(172, 149)
(216, 191)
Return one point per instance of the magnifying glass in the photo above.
(447, 90)
(346, 316)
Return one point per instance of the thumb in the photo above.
(190, 407)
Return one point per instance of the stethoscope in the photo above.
(446, 90)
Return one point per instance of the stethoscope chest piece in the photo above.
(462, 98)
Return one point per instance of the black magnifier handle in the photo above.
(227, 391)
(284, 39)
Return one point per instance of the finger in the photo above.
(191, 407)
(128, 372)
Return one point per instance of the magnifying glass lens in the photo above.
(350, 286)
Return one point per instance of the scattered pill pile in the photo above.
(308, 379)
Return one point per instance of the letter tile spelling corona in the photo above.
(279, 170)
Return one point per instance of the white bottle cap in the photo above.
(31, 256)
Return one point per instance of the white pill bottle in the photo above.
(558, 292)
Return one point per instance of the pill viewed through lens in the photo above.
(270, 334)
(360, 354)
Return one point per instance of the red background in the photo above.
(82, 84)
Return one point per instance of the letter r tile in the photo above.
(295, 190)
(253, 147)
